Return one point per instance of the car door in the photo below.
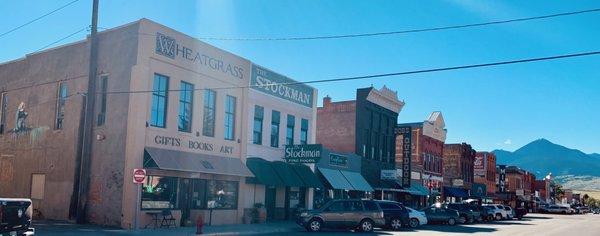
(353, 213)
(333, 215)
(432, 214)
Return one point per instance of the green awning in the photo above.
(357, 181)
(417, 189)
(336, 179)
(263, 172)
(287, 174)
(309, 177)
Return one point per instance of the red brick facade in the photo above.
(489, 172)
(336, 125)
(458, 165)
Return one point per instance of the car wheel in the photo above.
(366, 225)
(414, 222)
(451, 221)
(314, 225)
(395, 224)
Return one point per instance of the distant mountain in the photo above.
(542, 157)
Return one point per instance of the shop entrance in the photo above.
(192, 195)
(184, 200)
(270, 196)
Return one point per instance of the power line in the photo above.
(400, 31)
(38, 18)
(383, 75)
(61, 39)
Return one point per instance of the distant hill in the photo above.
(542, 157)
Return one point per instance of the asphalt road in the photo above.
(532, 224)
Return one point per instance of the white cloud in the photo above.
(508, 142)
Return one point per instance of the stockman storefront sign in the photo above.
(277, 85)
(309, 153)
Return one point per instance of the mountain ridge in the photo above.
(542, 156)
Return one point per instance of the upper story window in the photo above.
(257, 126)
(186, 104)
(230, 103)
(289, 134)
(158, 113)
(60, 105)
(3, 109)
(103, 89)
(304, 131)
(208, 128)
(275, 119)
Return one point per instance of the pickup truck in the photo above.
(15, 216)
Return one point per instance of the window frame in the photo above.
(229, 119)
(156, 93)
(208, 128)
(101, 118)
(289, 129)
(61, 99)
(275, 135)
(186, 89)
(303, 131)
(3, 111)
(259, 115)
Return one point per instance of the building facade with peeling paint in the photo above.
(165, 102)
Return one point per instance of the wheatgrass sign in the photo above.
(277, 85)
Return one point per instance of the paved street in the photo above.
(533, 224)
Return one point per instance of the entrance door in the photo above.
(270, 195)
(184, 200)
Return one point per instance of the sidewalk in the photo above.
(238, 229)
(67, 228)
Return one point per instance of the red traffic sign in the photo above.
(139, 175)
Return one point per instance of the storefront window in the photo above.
(222, 194)
(159, 192)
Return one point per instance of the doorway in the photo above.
(270, 196)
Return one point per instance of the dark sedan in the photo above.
(395, 214)
(15, 216)
(441, 215)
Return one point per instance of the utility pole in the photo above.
(86, 140)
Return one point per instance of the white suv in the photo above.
(499, 211)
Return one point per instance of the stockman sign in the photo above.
(309, 153)
(406, 132)
(277, 85)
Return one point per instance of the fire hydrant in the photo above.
(199, 224)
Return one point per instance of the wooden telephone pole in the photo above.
(86, 140)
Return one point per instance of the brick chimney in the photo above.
(326, 101)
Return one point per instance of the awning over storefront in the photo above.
(336, 179)
(417, 188)
(194, 162)
(287, 174)
(357, 181)
(308, 176)
(263, 172)
(455, 192)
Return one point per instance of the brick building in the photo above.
(364, 126)
(458, 171)
(484, 169)
(427, 151)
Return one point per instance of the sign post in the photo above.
(406, 132)
(139, 176)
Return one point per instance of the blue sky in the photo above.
(500, 107)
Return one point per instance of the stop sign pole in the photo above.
(139, 176)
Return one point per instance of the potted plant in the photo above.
(259, 213)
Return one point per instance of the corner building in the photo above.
(187, 126)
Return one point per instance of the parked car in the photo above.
(363, 215)
(15, 216)
(417, 218)
(441, 215)
(509, 212)
(479, 212)
(582, 210)
(466, 215)
(395, 214)
(519, 212)
(492, 213)
(499, 209)
(559, 209)
(596, 211)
